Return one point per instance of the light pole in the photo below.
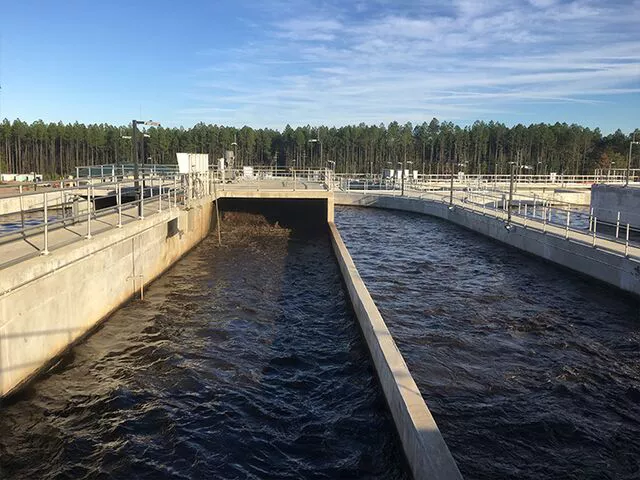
(631, 144)
(317, 140)
(234, 144)
(134, 153)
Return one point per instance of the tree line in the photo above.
(55, 149)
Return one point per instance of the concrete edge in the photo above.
(425, 449)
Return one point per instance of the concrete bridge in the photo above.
(63, 276)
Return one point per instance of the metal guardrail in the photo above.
(125, 169)
(78, 207)
(575, 221)
(41, 208)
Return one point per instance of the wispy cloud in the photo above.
(381, 60)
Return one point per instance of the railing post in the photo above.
(88, 236)
(46, 226)
(142, 202)
(119, 200)
(626, 245)
(21, 209)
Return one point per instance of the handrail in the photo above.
(154, 194)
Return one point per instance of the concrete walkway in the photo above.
(17, 247)
(598, 241)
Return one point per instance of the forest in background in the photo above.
(55, 149)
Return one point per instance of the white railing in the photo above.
(87, 204)
(576, 223)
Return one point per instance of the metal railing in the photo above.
(82, 206)
(125, 169)
(573, 222)
(274, 178)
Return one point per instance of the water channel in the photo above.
(530, 370)
(243, 361)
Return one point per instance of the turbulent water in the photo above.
(242, 362)
(530, 370)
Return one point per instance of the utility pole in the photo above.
(134, 154)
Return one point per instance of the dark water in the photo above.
(530, 371)
(242, 362)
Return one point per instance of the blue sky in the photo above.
(333, 62)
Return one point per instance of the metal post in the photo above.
(566, 234)
(510, 193)
(215, 195)
(136, 172)
(88, 236)
(404, 166)
(175, 193)
(141, 205)
(626, 181)
(618, 225)
(119, 200)
(626, 245)
(46, 226)
(160, 197)
(450, 187)
(591, 220)
(595, 228)
(21, 209)
(544, 218)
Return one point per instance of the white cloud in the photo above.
(407, 61)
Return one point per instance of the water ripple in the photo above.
(242, 362)
(530, 370)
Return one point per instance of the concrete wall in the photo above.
(611, 268)
(608, 200)
(33, 201)
(424, 447)
(284, 195)
(48, 303)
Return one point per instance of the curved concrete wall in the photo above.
(612, 268)
(423, 445)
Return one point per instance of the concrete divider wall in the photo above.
(47, 303)
(32, 201)
(423, 445)
(603, 265)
